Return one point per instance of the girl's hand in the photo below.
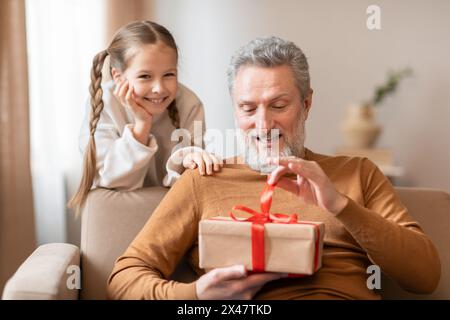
(124, 92)
(204, 161)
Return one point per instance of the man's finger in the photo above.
(259, 279)
(284, 161)
(293, 163)
(307, 191)
(288, 185)
(277, 174)
(230, 273)
(307, 170)
(253, 291)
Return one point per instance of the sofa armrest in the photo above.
(45, 273)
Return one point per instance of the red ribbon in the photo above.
(258, 219)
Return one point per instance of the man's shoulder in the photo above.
(232, 171)
(340, 161)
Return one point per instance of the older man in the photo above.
(365, 221)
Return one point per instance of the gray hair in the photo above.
(271, 52)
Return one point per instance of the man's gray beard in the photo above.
(257, 160)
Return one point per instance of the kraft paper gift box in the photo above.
(289, 248)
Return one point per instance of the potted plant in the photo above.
(360, 129)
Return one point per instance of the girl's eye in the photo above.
(144, 76)
(171, 74)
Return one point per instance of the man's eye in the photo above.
(247, 109)
(171, 74)
(279, 106)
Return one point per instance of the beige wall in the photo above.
(347, 61)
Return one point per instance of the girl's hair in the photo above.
(130, 36)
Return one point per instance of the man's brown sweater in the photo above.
(374, 228)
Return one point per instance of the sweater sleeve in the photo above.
(122, 161)
(391, 238)
(142, 272)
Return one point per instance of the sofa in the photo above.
(111, 219)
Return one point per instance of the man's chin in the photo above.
(257, 160)
(261, 165)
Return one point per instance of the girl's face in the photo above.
(152, 72)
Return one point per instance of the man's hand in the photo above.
(312, 184)
(232, 283)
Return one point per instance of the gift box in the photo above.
(264, 242)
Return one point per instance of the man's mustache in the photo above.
(265, 134)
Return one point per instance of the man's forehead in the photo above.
(264, 83)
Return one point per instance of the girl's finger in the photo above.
(191, 164)
(131, 100)
(129, 95)
(198, 159)
(208, 162)
(187, 162)
(123, 90)
(219, 159)
(118, 86)
(217, 162)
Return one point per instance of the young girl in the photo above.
(127, 140)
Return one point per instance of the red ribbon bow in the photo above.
(258, 219)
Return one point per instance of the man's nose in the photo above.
(264, 119)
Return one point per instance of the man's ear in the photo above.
(116, 75)
(307, 102)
